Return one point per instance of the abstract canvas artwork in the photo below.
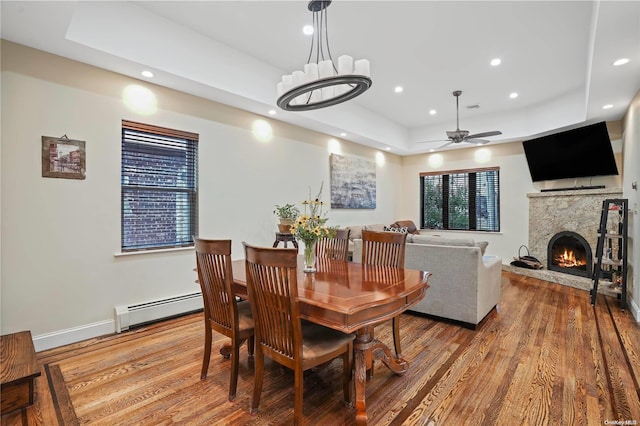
(353, 183)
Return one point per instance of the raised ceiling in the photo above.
(556, 55)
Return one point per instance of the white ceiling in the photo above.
(556, 55)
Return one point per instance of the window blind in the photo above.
(159, 187)
(462, 200)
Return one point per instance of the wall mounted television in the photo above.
(582, 152)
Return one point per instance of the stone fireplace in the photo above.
(569, 218)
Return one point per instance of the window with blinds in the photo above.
(159, 187)
(461, 200)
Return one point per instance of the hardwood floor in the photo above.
(544, 356)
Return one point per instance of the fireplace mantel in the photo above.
(608, 192)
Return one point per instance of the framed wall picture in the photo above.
(63, 158)
(353, 183)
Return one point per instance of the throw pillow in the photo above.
(411, 227)
(401, 230)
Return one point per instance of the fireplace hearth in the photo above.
(570, 253)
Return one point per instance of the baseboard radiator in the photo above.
(142, 313)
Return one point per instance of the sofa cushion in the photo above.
(483, 246)
(432, 240)
(378, 227)
(356, 230)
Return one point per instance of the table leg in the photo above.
(367, 349)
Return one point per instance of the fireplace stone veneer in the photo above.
(554, 212)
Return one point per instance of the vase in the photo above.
(310, 256)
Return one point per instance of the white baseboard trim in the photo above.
(72, 335)
(634, 309)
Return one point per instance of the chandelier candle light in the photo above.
(322, 83)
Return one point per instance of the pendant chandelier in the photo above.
(323, 83)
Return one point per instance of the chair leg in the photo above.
(257, 384)
(207, 351)
(233, 383)
(396, 335)
(250, 345)
(297, 395)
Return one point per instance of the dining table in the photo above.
(354, 298)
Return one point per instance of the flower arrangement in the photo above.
(311, 226)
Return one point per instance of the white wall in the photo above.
(631, 150)
(60, 276)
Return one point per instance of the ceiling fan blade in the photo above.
(446, 144)
(435, 140)
(485, 134)
(477, 141)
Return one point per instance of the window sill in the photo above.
(168, 250)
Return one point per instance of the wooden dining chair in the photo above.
(222, 312)
(336, 247)
(385, 249)
(280, 333)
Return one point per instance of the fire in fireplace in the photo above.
(570, 253)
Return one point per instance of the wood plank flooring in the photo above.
(545, 356)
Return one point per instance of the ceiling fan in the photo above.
(457, 136)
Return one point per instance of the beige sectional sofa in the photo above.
(465, 283)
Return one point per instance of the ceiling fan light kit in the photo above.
(323, 83)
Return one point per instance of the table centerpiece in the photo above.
(311, 227)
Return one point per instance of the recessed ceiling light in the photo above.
(272, 112)
(307, 29)
(388, 149)
(343, 134)
(432, 150)
(432, 112)
(607, 106)
(495, 62)
(513, 95)
(620, 61)
(398, 89)
(146, 73)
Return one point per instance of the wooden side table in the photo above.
(285, 237)
(18, 370)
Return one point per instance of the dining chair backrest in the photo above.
(383, 248)
(336, 247)
(213, 258)
(272, 283)
(222, 312)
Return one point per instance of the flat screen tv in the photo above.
(581, 152)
